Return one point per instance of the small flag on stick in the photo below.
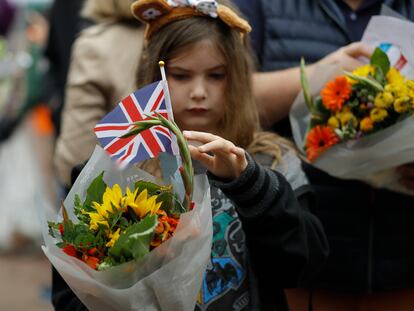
(138, 106)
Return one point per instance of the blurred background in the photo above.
(35, 42)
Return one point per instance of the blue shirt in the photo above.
(356, 21)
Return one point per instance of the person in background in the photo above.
(7, 12)
(101, 73)
(65, 24)
(369, 267)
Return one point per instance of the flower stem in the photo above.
(187, 171)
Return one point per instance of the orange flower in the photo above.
(318, 140)
(61, 229)
(335, 93)
(70, 250)
(91, 261)
(165, 228)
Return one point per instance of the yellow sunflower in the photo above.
(111, 201)
(114, 236)
(141, 203)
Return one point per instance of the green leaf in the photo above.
(152, 188)
(84, 239)
(379, 76)
(77, 201)
(365, 81)
(141, 126)
(78, 235)
(380, 60)
(305, 85)
(95, 191)
(134, 242)
(171, 203)
(53, 229)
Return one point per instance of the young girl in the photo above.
(265, 238)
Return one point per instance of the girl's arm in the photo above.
(286, 242)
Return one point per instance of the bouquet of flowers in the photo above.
(358, 124)
(124, 240)
(371, 98)
(115, 227)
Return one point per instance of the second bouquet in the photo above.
(357, 125)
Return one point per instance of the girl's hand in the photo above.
(220, 156)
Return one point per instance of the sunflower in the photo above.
(141, 203)
(113, 197)
(111, 202)
(113, 236)
(318, 140)
(336, 93)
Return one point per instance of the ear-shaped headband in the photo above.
(157, 13)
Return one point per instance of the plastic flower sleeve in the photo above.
(170, 275)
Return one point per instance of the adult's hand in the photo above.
(275, 91)
(348, 57)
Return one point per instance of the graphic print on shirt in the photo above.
(225, 276)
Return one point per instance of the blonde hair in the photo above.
(240, 122)
(107, 10)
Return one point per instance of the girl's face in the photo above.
(197, 79)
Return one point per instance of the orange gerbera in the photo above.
(318, 140)
(335, 93)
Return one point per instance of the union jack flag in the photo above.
(135, 107)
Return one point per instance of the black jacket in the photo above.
(369, 232)
(286, 242)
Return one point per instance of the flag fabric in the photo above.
(135, 107)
